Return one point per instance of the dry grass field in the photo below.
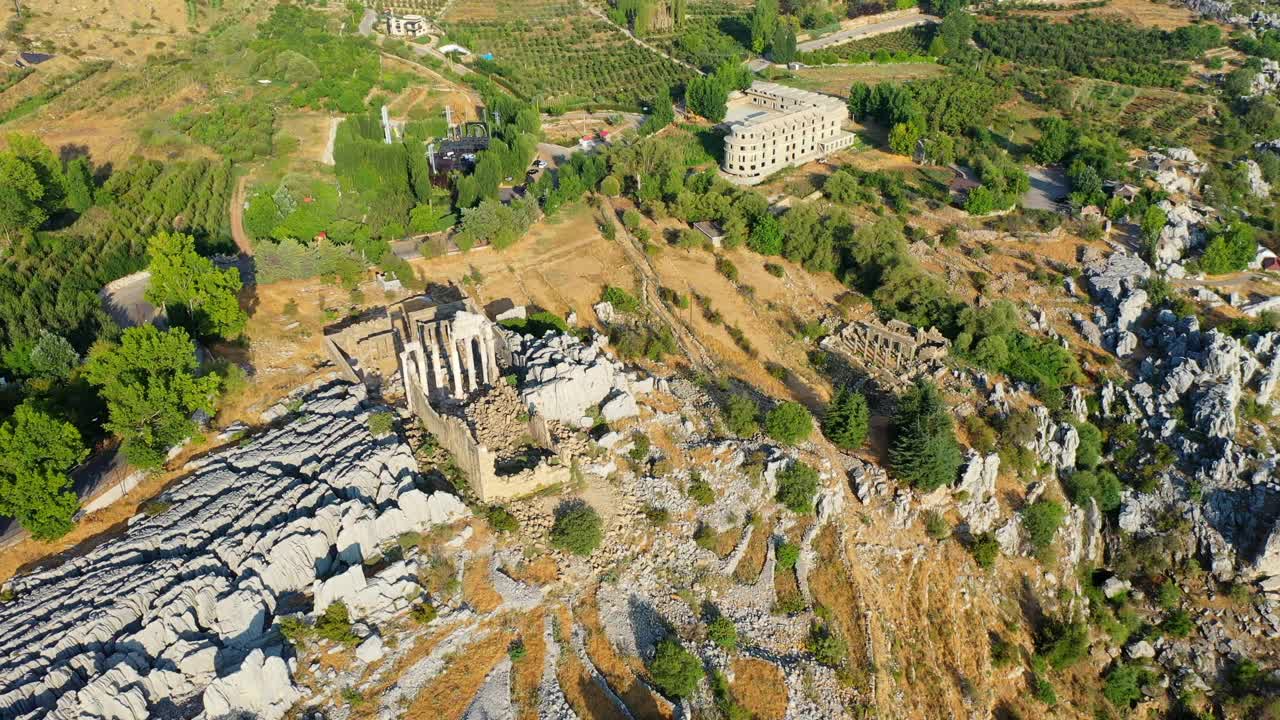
(836, 79)
(125, 31)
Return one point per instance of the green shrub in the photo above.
(701, 492)
(381, 423)
(423, 613)
(1178, 623)
(740, 415)
(725, 267)
(1043, 690)
(1101, 485)
(578, 530)
(1003, 652)
(675, 670)
(722, 632)
(936, 526)
(786, 555)
(516, 650)
(1041, 520)
(657, 516)
(985, 550)
(501, 520)
(294, 629)
(797, 485)
(1089, 454)
(1124, 683)
(1063, 643)
(640, 449)
(1168, 596)
(825, 645)
(335, 624)
(788, 423)
(621, 300)
(847, 420)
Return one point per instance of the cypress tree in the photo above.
(846, 421)
(924, 452)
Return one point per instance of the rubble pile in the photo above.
(566, 379)
(177, 612)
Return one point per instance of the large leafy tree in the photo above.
(847, 418)
(150, 385)
(21, 193)
(197, 294)
(924, 451)
(36, 451)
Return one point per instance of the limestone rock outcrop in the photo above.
(178, 610)
(565, 378)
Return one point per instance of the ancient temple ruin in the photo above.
(894, 345)
(450, 347)
(446, 357)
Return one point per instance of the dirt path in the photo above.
(237, 218)
(693, 348)
(600, 14)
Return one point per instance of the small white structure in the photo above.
(406, 25)
(453, 48)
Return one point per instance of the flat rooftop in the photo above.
(741, 110)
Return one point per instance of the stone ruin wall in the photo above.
(371, 350)
(476, 461)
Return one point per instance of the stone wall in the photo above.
(475, 460)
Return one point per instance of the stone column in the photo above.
(420, 359)
(491, 356)
(431, 337)
(406, 360)
(466, 346)
(455, 371)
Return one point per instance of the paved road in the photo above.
(125, 300)
(366, 22)
(1049, 185)
(865, 31)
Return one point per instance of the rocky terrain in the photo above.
(175, 617)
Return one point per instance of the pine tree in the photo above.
(846, 421)
(924, 452)
(79, 181)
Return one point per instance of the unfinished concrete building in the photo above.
(774, 127)
(446, 357)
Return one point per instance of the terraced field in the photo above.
(713, 31)
(425, 8)
(912, 40)
(1171, 114)
(559, 53)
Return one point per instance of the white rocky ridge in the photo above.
(565, 378)
(1116, 284)
(176, 613)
